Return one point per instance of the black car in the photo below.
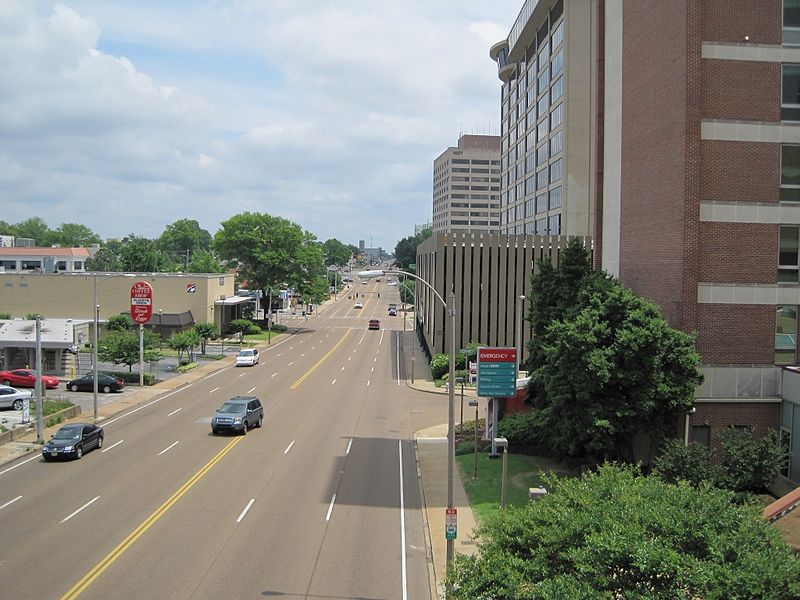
(105, 383)
(71, 441)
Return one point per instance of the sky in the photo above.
(128, 116)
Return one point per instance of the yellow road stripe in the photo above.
(297, 383)
(106, 562)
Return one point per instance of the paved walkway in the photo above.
(431, 446)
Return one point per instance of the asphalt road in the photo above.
(322, 502)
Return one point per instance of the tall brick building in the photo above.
(684, 154)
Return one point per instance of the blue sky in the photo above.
(127, 116)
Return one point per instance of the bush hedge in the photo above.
(133, 377)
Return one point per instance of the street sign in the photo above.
(141, 302)
(497, 372)
(450, 523)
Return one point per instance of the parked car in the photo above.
(374, 324)
(239, 414)
(72, 440)
(247, 357)
(26, 378)
(358, 305)
(105, 384)
(12, 397)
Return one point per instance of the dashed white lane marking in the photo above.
(106, 449)
(251, 390)
(246, 508)
(349, 444)
(289, 447)
(169, 447)
(80, 509)
(10, 502)
(175, 411)
(332, 382)
(273, 375)
(214, 390)
(330, 508)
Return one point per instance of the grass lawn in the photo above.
(523, 472)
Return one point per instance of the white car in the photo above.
(358, 305)
(247, 357)
(393, 282)
(12, 397)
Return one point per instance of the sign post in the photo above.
(141, 313)
(450, 523)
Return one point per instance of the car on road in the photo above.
(374, 324)
(26, 378)
(392, 311)
(105, 384)
(73, 440)
(247, 357)
(358, 305)
(392, 282)
(12, 397)
(238, 414)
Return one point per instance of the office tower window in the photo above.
(554, 225)
(557, 89)
(541, 226)
(788, 262)
(530, 228)
(530, 163)
(541, 203)
(542, 129)
(530, 185)
(790, 173)
(556, 116)
(543, 56)
(558, 36)
(541, 179)
(555, 171)
(529, 204)
(544, 80)
(557, 143)
(541, 154)
(557, 64)
(791, 22)
(785, 334)
(555, 198)
(790, 94)
(544, 103)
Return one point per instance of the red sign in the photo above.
(141, 302)
(497, 355)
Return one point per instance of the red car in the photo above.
(26, 378)
(374, 324)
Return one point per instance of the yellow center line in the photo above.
(106, 562)
(297, 383)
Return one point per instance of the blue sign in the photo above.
(497, 372)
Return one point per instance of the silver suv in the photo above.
(239, 414)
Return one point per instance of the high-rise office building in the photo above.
(466, 186)
(670, 132)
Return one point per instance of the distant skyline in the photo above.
(128, 116)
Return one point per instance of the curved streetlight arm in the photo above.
(425, 283)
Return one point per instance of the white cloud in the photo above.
(130, 115)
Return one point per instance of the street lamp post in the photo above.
(451, 444)
(519, 333)
(503, 443)
(94, 336)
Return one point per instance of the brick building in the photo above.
(679, 141)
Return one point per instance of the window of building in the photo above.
(544, 103)
(541, 226)
(530, 161)
(8, 265)
(30, 265)
(460, 161)
(557, 64)
(543, 56)
(554, 225)
(558, 36)
(529, 208)
(790, 93)
(544, 79)
(541, 179)
(701, 434)
(530, 185)
(520, 190)
(555, 198)
(555, 171)
(788, 261)
(541, 203)
(61, 265)
(557, 143)
(556, 116)
(520, 170)
(785, 335)
(542, 129)
(557, 89)
(541, 155)
(791, 22)
(532, 94)
(790, 173)
(786, 446)
(530, 228)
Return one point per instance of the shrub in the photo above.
(133, 377)
(440, 364)
(519, 429)
(678, 462)
(186, 367)
(278, 327)
(747, 464)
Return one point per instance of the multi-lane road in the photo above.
(322, 502)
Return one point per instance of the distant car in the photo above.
(239, 414)
(26, 378)
(358, 305)
(393, 282)
(392, 312)
(105, 384)
(12, 397)
(374, 324)
(363, 282)
(72, 440)
(247, 357)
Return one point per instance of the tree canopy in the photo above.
(616, 534)
(606, 366)
(122, 347)
(337, 253)
(269, 252)
(66, 234)
(181, 239)
(204, 261)
(405, 252)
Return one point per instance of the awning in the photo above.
(232, 300)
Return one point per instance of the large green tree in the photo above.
(204, 261)
(181, 239)
(36, 229)
(614, 370)
(75, 234)
(616, 534)
(336, 253)
(122, 347)
(405, 252)
(269, 252)
(106, 258)
(143, 255)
